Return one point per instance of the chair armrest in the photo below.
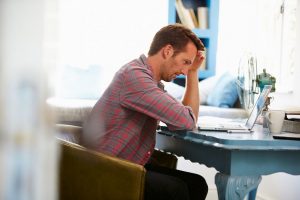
(86, 174)
(163, 159)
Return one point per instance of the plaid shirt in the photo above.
(123, 122)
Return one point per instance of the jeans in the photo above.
(170, 184)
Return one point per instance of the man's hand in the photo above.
(197, 62)
(191, 96)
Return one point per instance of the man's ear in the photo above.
(168, 51)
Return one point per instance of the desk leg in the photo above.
(235, 187)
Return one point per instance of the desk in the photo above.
(240, 159)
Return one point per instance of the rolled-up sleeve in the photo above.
(141, 93)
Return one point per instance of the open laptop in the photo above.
(240, 126)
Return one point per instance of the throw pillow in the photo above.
(224, 94)
(205, 87)
(175, 90)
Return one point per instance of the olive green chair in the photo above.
(87, 174)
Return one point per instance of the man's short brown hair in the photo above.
(176, 35)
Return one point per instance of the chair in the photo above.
(87, 174)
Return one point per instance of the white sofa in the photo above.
(74, 111)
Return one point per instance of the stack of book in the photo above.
(189, 18)
(292, 121)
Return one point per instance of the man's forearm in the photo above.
(191, 96)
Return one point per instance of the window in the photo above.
(265, 28)
(276, 39)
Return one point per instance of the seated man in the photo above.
(123, 122)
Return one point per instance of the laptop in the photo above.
(240, 127)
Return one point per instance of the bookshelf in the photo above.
(207, 33)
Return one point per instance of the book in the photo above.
(194, 18)
(292, 113)
(291, 126)
(292, 117)
(292, 121)
(203, 65)
(202, 13)
(184, 15)
(287, 136)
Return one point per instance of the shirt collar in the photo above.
(143, 59)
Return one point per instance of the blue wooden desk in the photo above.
(240, 159)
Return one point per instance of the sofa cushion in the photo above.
(174, 89)
(205, 88)
(224, 93)
(68, 133)
(222, 112)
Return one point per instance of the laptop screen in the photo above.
(257, 108)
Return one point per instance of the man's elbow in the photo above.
(187, 125)
(191, 125)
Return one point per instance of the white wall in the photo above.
(108, 33)
(235, 29)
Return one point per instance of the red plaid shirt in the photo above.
(124, 120)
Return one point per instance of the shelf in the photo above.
(202, 33)
(208, 36)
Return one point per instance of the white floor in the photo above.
(212, 194)
(207, 173)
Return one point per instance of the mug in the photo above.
(275, 120)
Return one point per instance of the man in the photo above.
(123, 122)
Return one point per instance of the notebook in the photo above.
(287, 136)
(241, 126)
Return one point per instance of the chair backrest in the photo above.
(86, 174)
(69, 133)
